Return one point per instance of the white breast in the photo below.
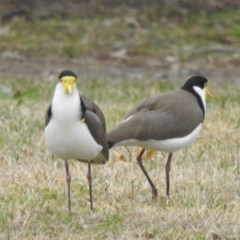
(65, 135)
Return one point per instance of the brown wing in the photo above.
(165, 116)
(95, 121)
(93, 107)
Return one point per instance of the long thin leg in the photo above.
(167, 170)
(139, 160)
(68, 179)
(89, 177)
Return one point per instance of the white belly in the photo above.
(170, 145)
(71, 142)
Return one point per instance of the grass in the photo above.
(205, 177)
(151, 32)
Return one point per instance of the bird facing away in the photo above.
(75, 128)
(165, 122)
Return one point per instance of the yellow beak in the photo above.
(68, 83)
(207, 92)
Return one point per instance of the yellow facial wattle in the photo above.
(68, 83)
(207, 92)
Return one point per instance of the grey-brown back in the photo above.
(164, 116)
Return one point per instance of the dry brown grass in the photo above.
(205, 177)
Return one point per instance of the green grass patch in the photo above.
(151, 32)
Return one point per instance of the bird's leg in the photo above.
(89, 177)
(68, 179)
(167, 170)
(139, 160)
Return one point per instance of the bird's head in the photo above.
(198, 82)
(68, 79)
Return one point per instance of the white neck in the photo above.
(201, 93)
(66, 106)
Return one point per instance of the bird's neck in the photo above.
(199, 93)
(65, 106)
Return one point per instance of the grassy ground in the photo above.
(150, 32)
(205, 177)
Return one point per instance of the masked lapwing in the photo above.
(166, 122)
(75, 128)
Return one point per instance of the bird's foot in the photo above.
(154, 194)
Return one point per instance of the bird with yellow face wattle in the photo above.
(75, 128)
